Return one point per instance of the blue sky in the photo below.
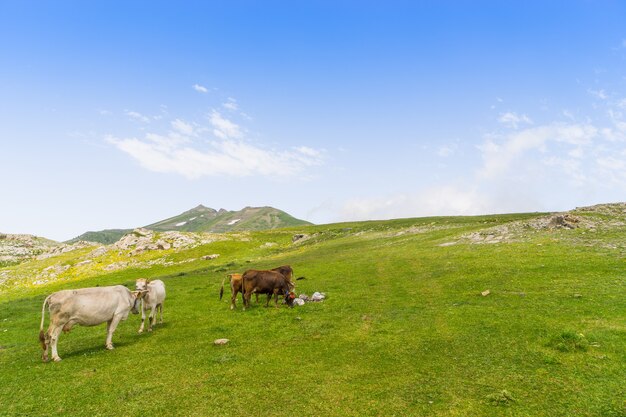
(118, 114)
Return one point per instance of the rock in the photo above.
(443, 245)
(298, 301)
(220, 341)
(318, 296)
(485, 293)
(209, 257)
(88, 261)
(115, 266)
(142, 232)
(564, 221)
(162, 245)
(98, 252)
(300, 236)
(304, 297)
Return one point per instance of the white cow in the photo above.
(86, 307)
(153, 297)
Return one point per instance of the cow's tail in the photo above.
(222, 287)
(42, 336)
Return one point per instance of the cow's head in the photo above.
(141, 284)
(137, 295)
(289, 297)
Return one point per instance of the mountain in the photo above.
(206, 219)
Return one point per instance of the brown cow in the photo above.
(265, 282)
(235, 287)
(235, 284)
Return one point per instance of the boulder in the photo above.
(318, 296)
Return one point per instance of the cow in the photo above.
(235, 283)
(153, 299)
(235, 287)
(86, 307)
(265, 282)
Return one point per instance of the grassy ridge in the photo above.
(404, 331)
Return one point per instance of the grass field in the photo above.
(404, 330)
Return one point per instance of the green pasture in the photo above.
(404, 330)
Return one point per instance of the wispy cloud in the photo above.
(200, 88)
(220, 158)
(600, 94)
(224, 128)
(513, 120)
(188, 149)
(499, 156)
(439, 201)
(137, 116)
(446, 150)
(231, 104)
(183, 127)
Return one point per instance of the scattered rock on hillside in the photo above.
(299, 237)
(115, 266)
(219, 342)
(210, 257)
(316, 297)
(485, 293)
(65, 248)
(98, 252)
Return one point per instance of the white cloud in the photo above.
(513, 120)
(231, 104)
(601, 94)
(227, 157)
(498, 158)
(182, 127)
(446, 150)
(137, 116)
(439, 201)
(182, 150)
(200, 88)
(224, 128)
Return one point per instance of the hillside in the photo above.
(205, 219)
(500, 315)
(15, 248)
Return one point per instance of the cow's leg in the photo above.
(233, 299)
(257, 298)
(45, 344)
(161, 313)
(269, 297)
(152, 318)
(53, 332)
(246, 299)
(111, 326)
(143, 316)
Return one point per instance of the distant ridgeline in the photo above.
(205, 219)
